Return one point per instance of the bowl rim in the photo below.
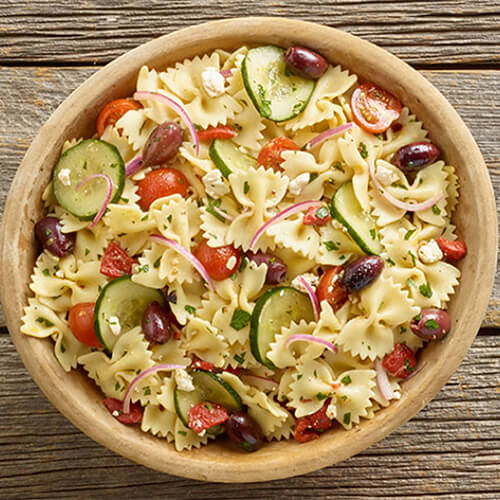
(214, 463)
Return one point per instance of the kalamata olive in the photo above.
(243, 430)
(305, 63)
(163, 144)
(276, 268)
(49, 232)
(156, 324)
(362, 272)
(415, 156)
(431, 324)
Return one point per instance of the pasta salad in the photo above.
(254, 244)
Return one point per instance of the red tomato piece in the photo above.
(205, 415)
(400, 362)
(113, 111)
(134, 416)
(453, 251)
(116, 262)
(317, 216)
(81, 322)
(159, 183)
(199, 364)
(216, 260)
(309, 427)
(219, 132)
(373, 108)
(270, 154)
(330, 288)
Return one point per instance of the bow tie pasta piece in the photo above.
(297, 264)
(130, 357)
(353, 397)
(336, 246)
(267, 413)
(239, 355)
(214, 228)
(171, 352)
(411, 131)
(201, 162)
(321, 106)
(159, 421)
(384, 305)
(136, 128)
(342, 361)
(42, 322)
(185, 81)
(311, 385)
(452, 189)
(185, 299)
(404, 335)
(202, 339)
(301, 162)
(187, 439)
(70, 223)
(113, 136)
(285, 431)
(383, 212)
(258, 191)
(128, 219)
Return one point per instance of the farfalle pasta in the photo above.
(247, 242)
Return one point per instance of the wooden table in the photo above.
(451, 448)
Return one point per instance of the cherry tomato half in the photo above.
(309, 427)
(216, 260)
(373, 108)
(270, 154)
(116, 262)
(81, 322)
(159, 183)
(113, 111)
(220, 132)
(330, 288)
(400, 362)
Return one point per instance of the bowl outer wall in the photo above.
(80, 401)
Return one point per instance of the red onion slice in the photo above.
(311, 338)
(187, 255)
(145, 373)
(133, 166)
(298, 207)
(410, 207)
(312, 296)
(226, 73)
(163, 99)
(101, 211)
(223, 214)
(327, 134)
(383, 384)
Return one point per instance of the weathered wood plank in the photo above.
(450, 449)
(452, 31)
(38, 91)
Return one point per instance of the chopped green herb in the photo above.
(243, 264)
(45, 322)
(312, 177)
(402, 330)
(409, 233)
(380, 137)
(426, 290)
(145, 217)
(125, 200)
(46, 272)
(240, 358)
(246, 187)
(63, 349)
(347, 418)
(362, 150)
(147, 391)
(408, 367)
(411, 282)
(431, 324)
(211, 208)
(373, 234)
(344, 397)
(330, 245)
(436, 210)
(390, 261)
(87, 251)
(299, 376)
(413, 257)
(240, 319)
(233, 276)
(338, 166)
(169, 218)
(321, 396)
(399, 185)
(190, 309)
(346, 380)
(143, 269)
(117, 386)
(157, 262)
(182, 433)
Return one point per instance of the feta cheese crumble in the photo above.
(213, 82)
(114, 325)
(215, 186)
(429, 253)
(63, 176)
(183, 380)
(385, 175)
(59, 273)
(298, 184)
(115, 413)
(331, 411)
(231, 262)
(310, 278)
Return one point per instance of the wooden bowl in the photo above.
(75, 395)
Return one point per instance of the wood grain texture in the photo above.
(448, 450)
(83, 32)
(39, 90)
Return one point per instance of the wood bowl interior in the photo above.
(76, 396)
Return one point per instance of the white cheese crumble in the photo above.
(183, 380)
(331, 411)
(213, 82)
(202, 433)
(385, 175)
(115, 413)
(231, 262)
(63, 176)
(429, 253)
(310, 278)
(59, 273)
(214, 184)
(397, 395)
(298, 184)
(114, 325)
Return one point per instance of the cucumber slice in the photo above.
(228, 158)
(275, 309)
(347, 210)
(277, 94)
(88, 157)
(208, 387)
(127, 301)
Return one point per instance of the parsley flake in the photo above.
(240, 319)
(189, 309)
(346, 380)
(426, 290)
